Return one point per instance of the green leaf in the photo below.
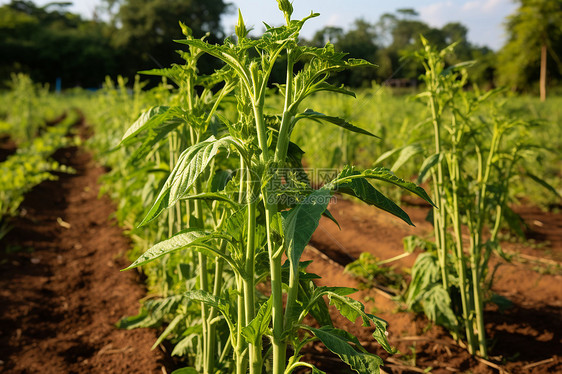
(222, 305)
(316, 306)
(152, 137)
(427, 164)
(174, 73)
(187, 344)
(152, 313)
(338, 342)
(300, 223)
(182, 240)
(353, 309)
(191, 163)
(363, 190)
(312, 115)
(425, 274)
(405, 154)
(543, 183)
(213, 196)
(168, 330)
(388, 176)
(437, 307)
(329, 215)
(259, 325)
(152, 117)
(185, 371)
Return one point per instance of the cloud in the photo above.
(437, 14)
(486, 6)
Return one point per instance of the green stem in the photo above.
(440, 224)
(478, 302)
(217, 287)
(249, 284)
(279, 345)
(461, 266)
(241, 362)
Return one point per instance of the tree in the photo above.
(50, 42)
(535, 34)
(147, 28)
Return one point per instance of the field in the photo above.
(78, 182)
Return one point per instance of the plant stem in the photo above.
(249, 286)
(461, 266)
(279, 346)
(440, 224)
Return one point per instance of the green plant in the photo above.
(263, 209)
(371, 270)
(31, 165)
(475, 153)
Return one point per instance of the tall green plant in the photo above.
(263, 210)
(475, 151)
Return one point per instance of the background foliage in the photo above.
(126, 36)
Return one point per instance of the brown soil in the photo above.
(61, 291)
(7, 147)
(527, 338)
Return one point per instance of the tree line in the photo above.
(127, 36)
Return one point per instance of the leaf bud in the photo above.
(287, 8)
(240, 28)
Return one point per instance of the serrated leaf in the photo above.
(364, 191)
(388, 176)
(152, 117)
(222, 305)
(191, 163)
(353, 309)
(152, 137)
(300, 223)
(182, 240)
(437, 307)
(336, 342)
(174, 73)
(312, 115)
(259, 325)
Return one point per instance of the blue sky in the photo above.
(484, 18)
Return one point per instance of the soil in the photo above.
(61, 291)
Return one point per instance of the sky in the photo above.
(484, 18)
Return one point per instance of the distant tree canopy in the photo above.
(148, 28)
(49, 42)
(534, 38)
(390, 41)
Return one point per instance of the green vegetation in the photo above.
(126, 36)
(22, 120)
(249, 202)
(211, 181)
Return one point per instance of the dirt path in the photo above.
(61, 291)
(526, 338)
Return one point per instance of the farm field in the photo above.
(54, 286)
(62, 263)
(264, 218)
